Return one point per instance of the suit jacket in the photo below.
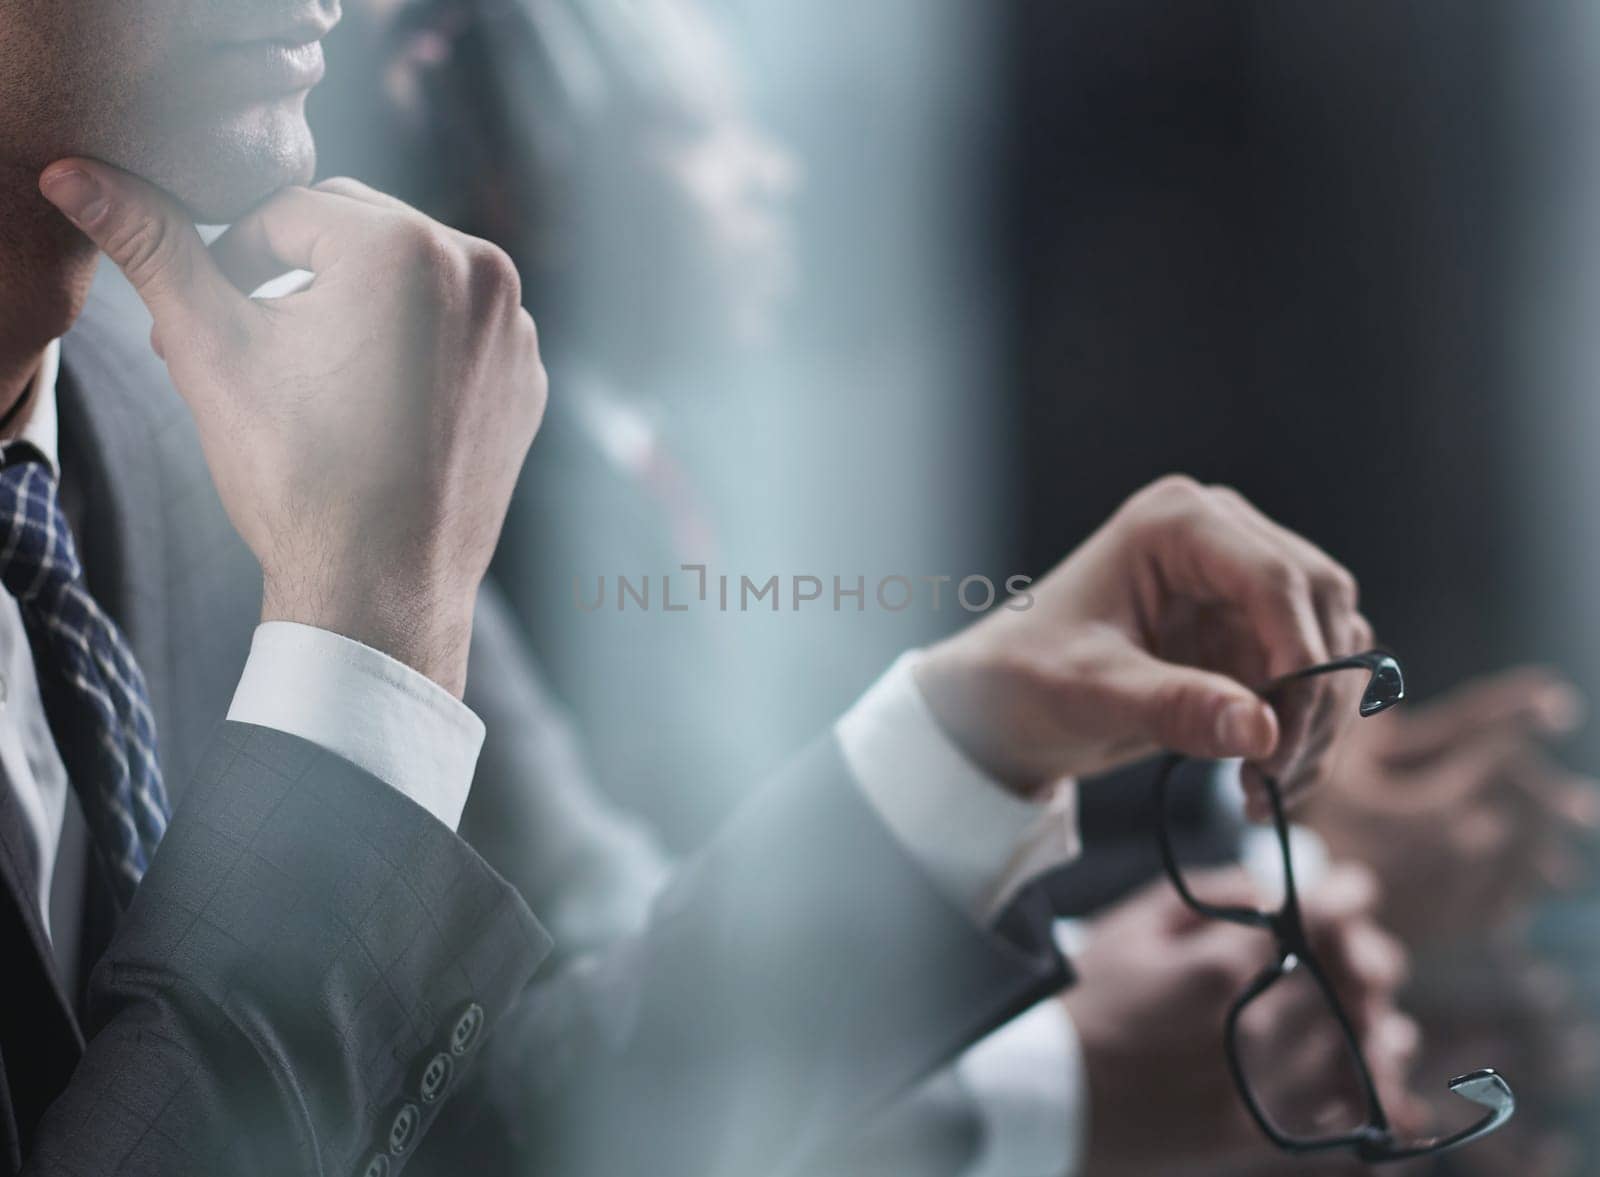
(538, 814)
(313, 963)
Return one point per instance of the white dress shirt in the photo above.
(978, 842)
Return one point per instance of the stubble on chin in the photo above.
(218, 167)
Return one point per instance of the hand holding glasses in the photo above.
(1371, 1138)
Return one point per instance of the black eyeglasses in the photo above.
(1370, 1137)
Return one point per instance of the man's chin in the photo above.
(223, 172)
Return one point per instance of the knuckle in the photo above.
(428, 246)
(1282, 579)
(1340, 587)
(1222, 492)
(342, 184)
(1175, 491)
(493, 275)
(1164, 507)
(1361, 632)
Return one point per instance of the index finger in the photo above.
(296, 229)
(1315, 708)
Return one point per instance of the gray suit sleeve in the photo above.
(936, 1131)
(592, 872)
(306, 975)
(795, 978)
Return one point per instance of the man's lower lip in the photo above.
(267, 68)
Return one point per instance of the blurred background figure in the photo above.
(1001, 263)
(613, 148)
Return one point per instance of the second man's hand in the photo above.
(364, 434)
(1152, 635)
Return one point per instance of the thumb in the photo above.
(147, 234)
(1195, 712)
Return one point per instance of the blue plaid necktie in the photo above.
(94, 694)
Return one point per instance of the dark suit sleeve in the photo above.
(306, 975)
(936, 1131)
(795, 977)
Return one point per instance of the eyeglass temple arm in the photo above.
(1369, 660)
(1486, 1088)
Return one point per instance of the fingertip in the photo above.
(1246, 728)
(76, 191)
(61, 168)
(1405, 1034)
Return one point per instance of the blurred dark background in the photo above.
(1266, 244)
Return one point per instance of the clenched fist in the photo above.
(1155, 634)
(365, 433)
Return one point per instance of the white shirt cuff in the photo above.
(979, 842)
(1028, 1081)
(364, 706)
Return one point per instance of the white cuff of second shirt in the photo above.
(1032, 1094)
(364, 706)
(980, 842)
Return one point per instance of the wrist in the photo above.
(428, 630)
(967, 693)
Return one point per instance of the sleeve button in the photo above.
(436, 1077)
(378, 1166)
(403, 1132)
(467, 1028)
